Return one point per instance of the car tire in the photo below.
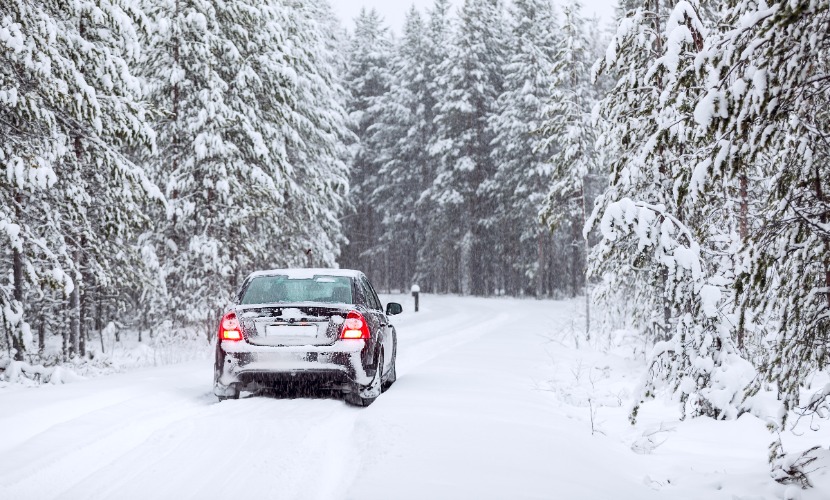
(364, 395)
(391, 377)
(216, 376)
(234, 395)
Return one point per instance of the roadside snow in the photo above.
(493, 401)
(106, 356)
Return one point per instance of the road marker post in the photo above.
(416, 291)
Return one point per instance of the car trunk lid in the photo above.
(292, 324)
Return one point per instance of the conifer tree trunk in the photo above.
(743, 224)
(387, 283)
(476, 265)
(587, 249)
(99, 325)
(540, 260)
(744, 209)
(824, 220)
(17, 266)
(664, 273)
(74, 316)
(75, 296)
(41, 334)
(82, 314)
(664, 280)
(176, 236)
(65, 343)
(466, 265)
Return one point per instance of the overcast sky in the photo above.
(395, 10)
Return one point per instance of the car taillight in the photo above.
(355, 327)
(229, 328)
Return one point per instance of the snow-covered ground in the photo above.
(108, 354)
(493, 401)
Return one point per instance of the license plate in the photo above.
(291, 331)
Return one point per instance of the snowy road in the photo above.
(466, 419)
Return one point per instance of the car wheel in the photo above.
(235, 395)
(391, 377)
(364, 395)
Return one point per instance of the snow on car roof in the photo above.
(297, 274)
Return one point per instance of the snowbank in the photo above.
(113, 354)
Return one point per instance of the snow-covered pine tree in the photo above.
(571, 135)
(403, 133)
(432, 255)
(315, 134)
(439, 38)
(222, 148)
(69, 107)
(367, 80)
(628, 112)
(664, 253)
(401, 136)
(519, 152)
(569, 129)
(472, 79)
(767, 105)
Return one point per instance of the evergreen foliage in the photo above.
(69, 199)
(519, 183)
(404, 130)
(243, 173)
(460, 167)
(766, 102)
(472, 79)
(720, 120)
(570, 135)
(235, 110)
(367, 80)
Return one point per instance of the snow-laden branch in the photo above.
(698, 361)
(675, 246)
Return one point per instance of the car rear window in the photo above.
(275, 289)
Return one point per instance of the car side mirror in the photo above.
(393, 308)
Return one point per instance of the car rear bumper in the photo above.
(244, 364)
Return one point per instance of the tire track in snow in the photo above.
(156, 457)
(47, 464)
(257, 447)
(424, 350)
(19, 428)
(324, 458)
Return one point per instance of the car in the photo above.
(323, 328)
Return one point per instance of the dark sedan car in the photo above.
(324, 327)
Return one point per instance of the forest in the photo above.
(675, 170)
